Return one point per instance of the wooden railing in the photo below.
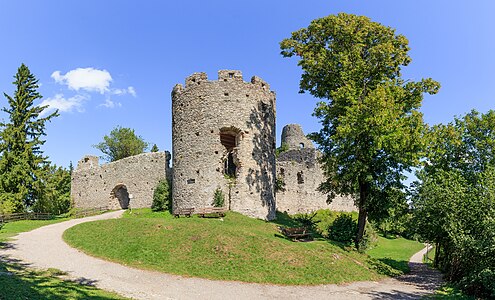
(25, 216)
(86, 212)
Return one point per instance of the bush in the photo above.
(370, 238)
(307, 220)
(343, 229)
(218, 198)
(161, 196)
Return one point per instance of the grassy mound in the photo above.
(236, 248)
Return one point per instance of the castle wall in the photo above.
(227, 120)
(301, 174)
(108, 185)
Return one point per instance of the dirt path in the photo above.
(44, 248)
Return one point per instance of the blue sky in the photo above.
(109, 63)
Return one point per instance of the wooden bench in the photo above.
(187, 212)
(297, 233)
(210, 212)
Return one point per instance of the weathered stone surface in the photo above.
(223, 137)
(129, 182)
(299, 169)
(294, 137)
(214, 122)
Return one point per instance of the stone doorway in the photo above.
(121, 194)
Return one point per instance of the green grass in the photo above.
(13, 228)
(19, 282)
(395, 252)
(236, 248)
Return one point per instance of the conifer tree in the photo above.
(22, 163)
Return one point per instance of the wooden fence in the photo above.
(86, 212)
(25, 216)
(79, 213)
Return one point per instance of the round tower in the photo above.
(294, 137)
(223, 138)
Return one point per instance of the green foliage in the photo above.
(22, 164)
(56, 193)
(121, 143)
(218, 198)
(279, 184)
(162, 196)
(372, 127)
(370, 238)
(154, 148)
(284, 147)
(343, 229)
(307, 220)
(454, 204)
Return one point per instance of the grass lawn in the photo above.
(19, 282)
(236, 248)
(395, 252)
(13, 228)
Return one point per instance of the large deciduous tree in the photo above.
(22, 164)
(371, 125)
(122, 142)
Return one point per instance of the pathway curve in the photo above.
(44, 248)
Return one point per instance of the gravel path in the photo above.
(44, 248)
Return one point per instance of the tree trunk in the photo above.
(363, 213)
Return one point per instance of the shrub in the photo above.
(370, 238)
(307, 220)
(161, 196)
(343, 229)
(218, 198)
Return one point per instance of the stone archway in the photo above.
(121, 194)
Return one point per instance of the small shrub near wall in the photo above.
(218, 198)
(161, 196)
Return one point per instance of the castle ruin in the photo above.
(223, 138)
(129, 182)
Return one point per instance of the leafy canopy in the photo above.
(120, 143)
(454, 204)
(371, 125)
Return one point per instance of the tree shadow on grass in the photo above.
(18, 281)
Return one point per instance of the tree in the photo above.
(122, 142)
(55, 198)
(154, 148)
(22, 164)
(371, 125)
(454, 203)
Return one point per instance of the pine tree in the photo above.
(154, 148)
(22, 163)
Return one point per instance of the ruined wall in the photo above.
(224, 128)
(110, 185)
(301, 174)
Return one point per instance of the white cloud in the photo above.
(110, 104)
(87, 79)
(129, 90)
(63, 104)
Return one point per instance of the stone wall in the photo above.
(223, 137)
(301, 174)
(129, 182)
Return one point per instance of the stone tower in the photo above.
(223, 137)
(301, 173)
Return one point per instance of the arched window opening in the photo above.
(120, 192)
(300, 177)
(229, 139)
